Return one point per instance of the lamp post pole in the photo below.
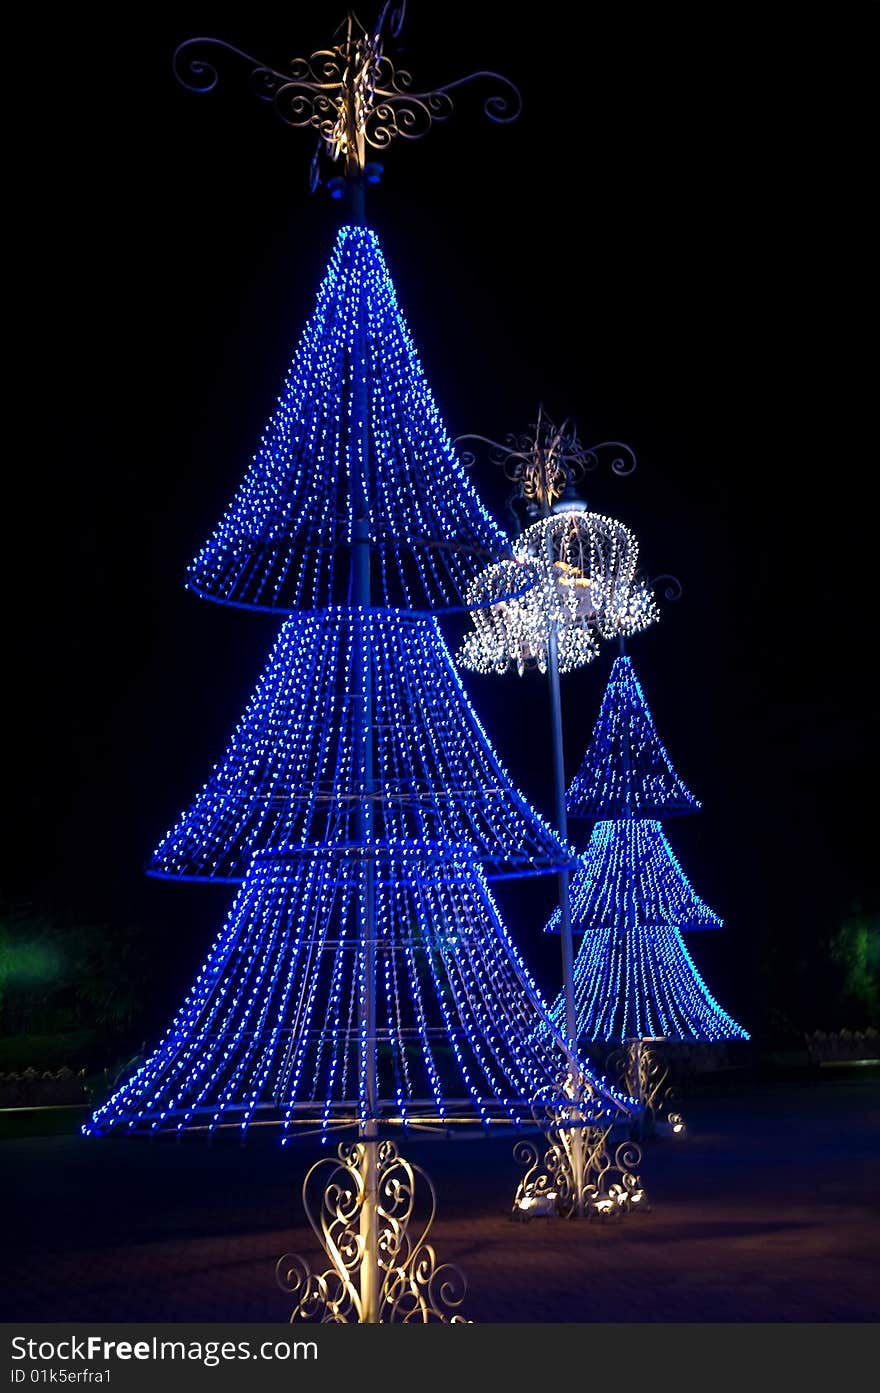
(544, 464)
(561, 818)
(562, 828)
(573, 1139)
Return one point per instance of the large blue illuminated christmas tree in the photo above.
(633, 977)
(363, 972)
(363, 977)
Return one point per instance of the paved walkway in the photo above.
(768, 1211)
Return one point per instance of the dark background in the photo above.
(671, 245)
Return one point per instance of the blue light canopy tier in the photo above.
(273, 1029)
(290, 775)
(626, 771)
(355, 404)
(574, 574)
(629, 875)
(636, 983)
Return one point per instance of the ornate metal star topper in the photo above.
(351, 94)
(547, 459)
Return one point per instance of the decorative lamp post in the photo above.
(583, 586)
(636, 985)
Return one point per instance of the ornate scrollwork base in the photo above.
(406, 1284)
(644, 1072)
(581, 1173)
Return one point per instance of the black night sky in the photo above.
(670, 246)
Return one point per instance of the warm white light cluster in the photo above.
(572, 574)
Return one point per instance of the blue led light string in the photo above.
(233, 1027)
(274, 1026)
(256, 1010)
(274, 1044)
(270, 788)
(276, 545)
(423, 1033)
(338, 718)
(245, 1004)
(290, 1074)
(183, 1024)
(333, 1043)
(454, 1034)
(626, 770)
(467, 973)
(403, 748)
(632, 862)
(290, 1063)
(500, 1023)
(669, 989)
(430, 745)
(393, 1015)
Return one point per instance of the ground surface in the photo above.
(769, 1211)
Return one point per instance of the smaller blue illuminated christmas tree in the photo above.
(626, 771)
(634, 978)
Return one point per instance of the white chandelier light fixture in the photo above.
(573, 574)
